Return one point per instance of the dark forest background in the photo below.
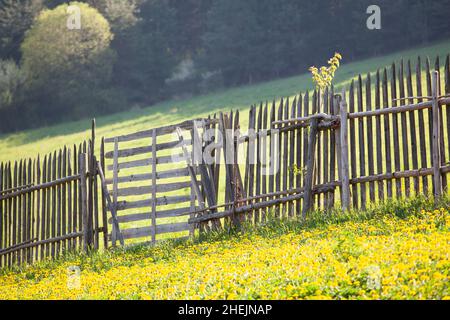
(163, 49)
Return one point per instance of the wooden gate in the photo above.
(150, 184)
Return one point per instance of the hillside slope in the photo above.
(397, 251)
(31, 142)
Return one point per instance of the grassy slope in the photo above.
(395, 251)
(31, 142)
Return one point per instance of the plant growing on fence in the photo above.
(324, 76)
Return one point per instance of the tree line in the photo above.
(132, 53)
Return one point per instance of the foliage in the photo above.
(145, 53)
(12, 79)
(16, 17)
(324, 76)
(376, 255)
(230, 43)
(63, 64)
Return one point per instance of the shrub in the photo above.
(64, 64)
(11, 80)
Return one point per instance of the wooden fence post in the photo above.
(307, 195)
(87, 237)
(344, 167)
(436, 157)
(154, 163)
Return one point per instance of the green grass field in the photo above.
(29, 143)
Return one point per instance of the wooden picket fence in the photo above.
(393, 143)
(386, 136)
(49, 206)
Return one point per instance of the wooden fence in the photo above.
(150, 182)
(387, 136)
(49, 206)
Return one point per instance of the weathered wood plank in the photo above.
(160, 229)
(326, 149)
(279, 159)
(104, 206)
(379, 140)
(161, 214)
(285, 171)
(131, 152)
(264, 159)
(148, 162)
(353, 158)
(251, 156)
(115, 187)
(54, 207)
(17, 210)
(333, 111)
(345, 187)
(399, 175)
(387, 133)
(76, 198)
(69, 200)
(257, 216)
(447, 92)
(194, 181)
(441, 124)
(174, 173)
(310, 167)
(370, 140)
(111, 207)
(64, 199)
(430, 112)
(38, 212)
(306, 112)
(404, 129)
(43, 207)
(83, 195)
(153, 187)
(398, 182)
(170, 129)
(422, 125)
(292, 157)
(206, 180)
(412, 126)
(272, 150)
(58, 202)
(362, 147)
(143, 190)
(299, 163)
(317, 98)
(437, 178)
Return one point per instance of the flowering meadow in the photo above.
(382, 257)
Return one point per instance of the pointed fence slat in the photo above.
(422, 125)
(404, 129)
